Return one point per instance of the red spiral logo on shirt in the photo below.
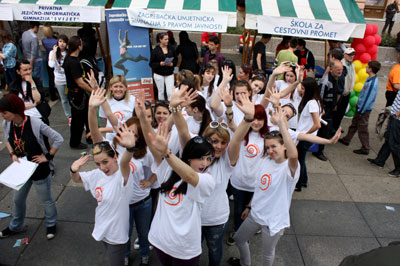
(99, 194)
(252, 151)
(172, 198)
(133, 167)
(119, 115)
(265, 182)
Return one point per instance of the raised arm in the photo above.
(126, 138)
(247, 107)
(96, 99)
(215, 102)
(75, 166)
(160, 142)
(227, 98)
(318, 140)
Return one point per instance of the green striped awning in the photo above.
(55, 10)
(339, 19)
(195, 6)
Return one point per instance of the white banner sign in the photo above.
(171, 20)
(57, 13)
(6, 13)
(316, 29)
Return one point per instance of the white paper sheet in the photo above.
(16, 175)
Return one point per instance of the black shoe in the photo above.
(394, 173)
(373, 161)
(298, 189)
(7, 232)
(234, 261)
(51, 232)
(304, 185)
(320, 156)
(81, 146)
(231, 241)
(344, 142)
(144, 261)
(361, 151)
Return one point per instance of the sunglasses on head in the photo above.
(162, 102)
(274, 133)
(215, 124)
(102, 146)
(201, 140)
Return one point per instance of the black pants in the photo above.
(302, 148)
(340, 111)
(78, 122)
(52, 88)
(390, 96)
(389, 22)
(324, 132)
(392, 144)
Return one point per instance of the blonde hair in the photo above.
(115, 79)
(219, 131)
(48, 31)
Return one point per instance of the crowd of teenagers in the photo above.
(169, 170)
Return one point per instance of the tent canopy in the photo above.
(319, 19)
(53, 10)
(191, 15)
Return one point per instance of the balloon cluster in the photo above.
(366, 50)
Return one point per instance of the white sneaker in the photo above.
(126, 261)
(136, 244)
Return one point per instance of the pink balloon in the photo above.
(356, 41)
(368, 30)
(369, 41)
(378, 39)
(365, 58)
(375, 29)
(360, 48)
(374, 56)
(372, 50)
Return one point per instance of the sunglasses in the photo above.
(162, 102)
(274, 133)
(102, 146)
(201, 140)
(147, 103)
(215, 124)
(183, 72)
(291, 64)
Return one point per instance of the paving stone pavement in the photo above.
(342, 212)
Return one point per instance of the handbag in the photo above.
(44, 108)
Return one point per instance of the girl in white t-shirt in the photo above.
(161, 113)
(56, 60)
(276, 178)
(310, 111)
(121, 102)
(110, 185)
(207, 76)
(257, 84)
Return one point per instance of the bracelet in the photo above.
(248, 207)
(49, 156)
(33, 87)
(248, 120)
(131, 149)
(70, 169)
(228, 106)
(174, 109)
(166, 156)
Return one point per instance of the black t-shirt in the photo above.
(28, 147)
(259, 48)
(73, 70)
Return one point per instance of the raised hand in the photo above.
(140, 107)
(279, 117)
(226, 95)
(125, 136)
(336, 137)
(76, 165)
(92, 80)
(227, 74)
(160, 142)
(274, 96)
(97, 98)
(282, 68)
(189, 98)
(245, 105)
(55, 48)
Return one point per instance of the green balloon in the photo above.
(352, 94)
(353, 101)
(358, 93)
(350, 113)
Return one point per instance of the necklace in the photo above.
(18, 141)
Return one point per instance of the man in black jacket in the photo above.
(391, 10)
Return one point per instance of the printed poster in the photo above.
(130, 52)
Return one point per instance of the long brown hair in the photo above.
(140, 146)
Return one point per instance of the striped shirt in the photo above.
(396, 106)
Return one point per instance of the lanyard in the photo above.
(18, 140)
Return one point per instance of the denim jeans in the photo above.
(302, 148)
(214, 236)
(43, 190)
(240, 199)
(140, 215)
(37, 69)
(10, 75)
(64, 99)
(391, 145)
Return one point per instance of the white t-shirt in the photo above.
(121, 109)
(238, 115)
(31, 111)
(141, 169)
(273, 194)
(112, 211)
(246, 169)
(305, 120)
(256, 98)
(282, 85)
(193, 125)
(176, 226)
(59, 74)
(216, 207)
(295, 102)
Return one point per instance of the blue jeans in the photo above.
(37, 69)
(240, 199)
(302, 148)
(10, 75)
(214, 236)
(140, 215)
(64, 99)
(43, 190)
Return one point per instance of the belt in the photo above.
(140, 201)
